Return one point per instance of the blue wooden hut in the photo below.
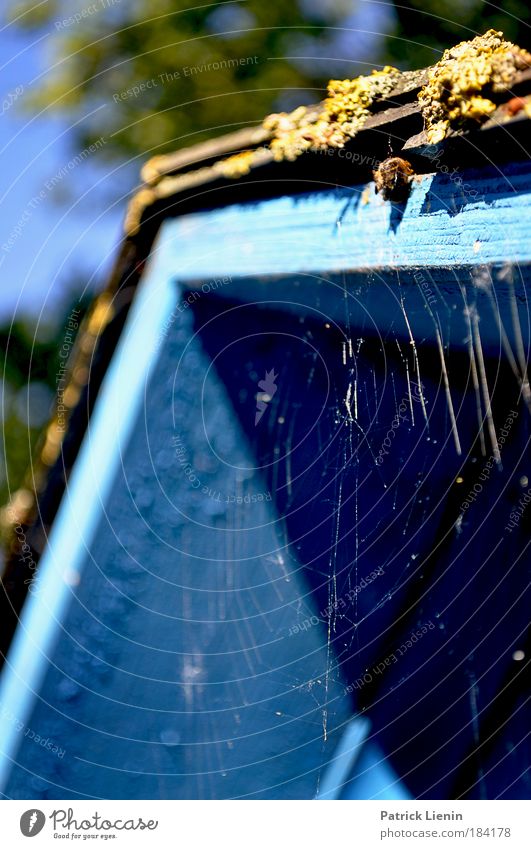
(281, 549)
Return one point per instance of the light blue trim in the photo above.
(359, 770)
(375, 778)
(345, 757)
(353, 229)
(89, 487)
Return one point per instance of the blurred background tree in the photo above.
(27, 387)
(426, 27)
(170, 44)
(102, 48)
(29, 369)
(298, 46)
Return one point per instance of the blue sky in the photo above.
(50, 239)
(61, 218)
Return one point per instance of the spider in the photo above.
(392, 178)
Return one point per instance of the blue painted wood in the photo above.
(393, 300)
(179, 627)
(61, 566)
(156, 652)
(480, 216)
(348, 511)
(374, 778)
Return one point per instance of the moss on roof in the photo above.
(462, 91)
(461, 86)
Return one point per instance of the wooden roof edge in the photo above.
(160, 166)
(174, 183)
(466, 86)
(136, 242)
(168, 164)
(250, 137)
(21, 509)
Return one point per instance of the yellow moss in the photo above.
(137, 205)
(236, 166)
(459, 91)
(339, 118)
(290, 132)
(460, 86)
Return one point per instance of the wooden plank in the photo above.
(166, 668)
(464, 219)
(399, 104)
(208, 151)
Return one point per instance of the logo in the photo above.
(268, 387)
(32, 822)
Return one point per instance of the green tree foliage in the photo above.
(201, 71)
(29, 368)
(425, 27)
(27, 365)
(163, 74)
